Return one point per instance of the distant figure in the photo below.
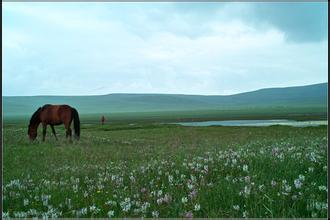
(102, 120)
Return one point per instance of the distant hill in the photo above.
(300, 96)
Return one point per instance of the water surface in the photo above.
(256, 123)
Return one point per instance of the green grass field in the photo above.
(155, 170)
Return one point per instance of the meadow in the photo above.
(159, 170)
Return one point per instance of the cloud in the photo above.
(213, 48)
(301, 21)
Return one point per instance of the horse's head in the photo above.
(32, 132)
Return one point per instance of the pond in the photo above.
(256, 123)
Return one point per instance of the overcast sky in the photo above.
(181, 48)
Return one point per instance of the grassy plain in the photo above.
(157, 170)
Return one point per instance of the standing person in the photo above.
(102, 120)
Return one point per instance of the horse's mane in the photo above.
(36, 114)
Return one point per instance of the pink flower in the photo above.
(189, 214)
(167, 198)
(193, 194)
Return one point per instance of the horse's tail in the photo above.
(76, 123)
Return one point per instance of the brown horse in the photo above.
(54, 115)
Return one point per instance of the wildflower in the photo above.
(297, 183)
(236, 207)
(167, 198)
(190, 186)
(206, 168)
(143, 190)
(247, 190)
(184, 200)
(245, 214)
(193, 194)
(5, 215)
(26, 202)
(159, 201)
(188, 214)
(145, 206)
(83, 211)
(312, 157)
(318, 205)
(75, 188)
(323, 188)
(275, 151)
(245, 168)
(155, 214)
(301, 177)
(68, 203)
(287, 188)
(32, 212)
(197, 207)
(311, 169)
(111, 213)
(170, 178)
(126, 205)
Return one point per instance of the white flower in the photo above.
(245, 167)
(273, 183)
(247, 190)
(170, 178)
(190, 186)
(301, 177)
(311, 169)
(184, 199)
(111, 213)
(236, 207)
(159, 201)
(323, 188)
(83, 211)
(155, 214)
(197, 207)
(26, 202)
(126, 205)
(297, 183)
(5, 215)
(287, 188)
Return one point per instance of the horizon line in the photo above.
(119, 93)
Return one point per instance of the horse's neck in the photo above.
(36, 124)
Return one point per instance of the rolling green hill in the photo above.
(300, 100)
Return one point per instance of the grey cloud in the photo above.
(300, 21)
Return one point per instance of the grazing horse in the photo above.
(54, 115)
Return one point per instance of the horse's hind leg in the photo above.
(68, 131)
(53, 130)
(44, 128)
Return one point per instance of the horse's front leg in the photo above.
(44, 128)
(53, 130)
